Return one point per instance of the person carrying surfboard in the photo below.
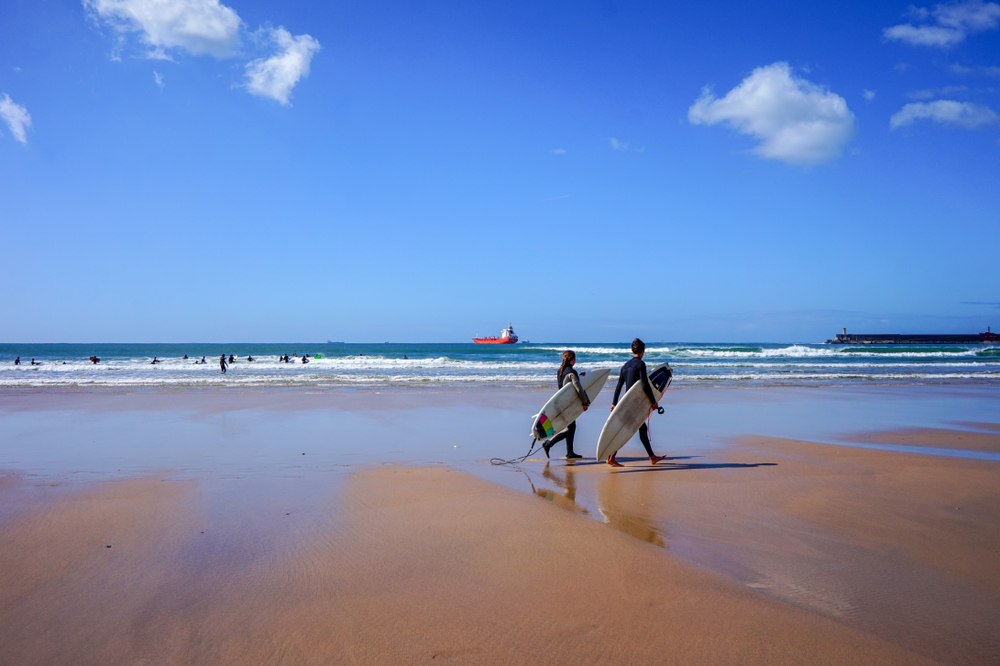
(568, 374)
(635, 371)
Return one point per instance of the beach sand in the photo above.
(761, 550)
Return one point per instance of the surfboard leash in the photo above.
(514, 461)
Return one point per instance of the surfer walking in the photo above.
(634, 371)
(222, 363)
(568, 374)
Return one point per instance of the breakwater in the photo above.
(903, 339)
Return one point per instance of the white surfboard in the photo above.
(630, 413)
(566, 406)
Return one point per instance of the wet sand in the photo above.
(249, 535)
(412, 565)
(937, 437)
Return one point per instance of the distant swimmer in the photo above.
(95, 360)
(185, 357)
(17, 361)
(568, 374)
(155, 361)
(635, 371)
(222, 363)
(231, 359)
(305, 359)
(404, 358)
(33, 362)
(249, 359)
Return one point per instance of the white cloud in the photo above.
(158, 78)
(17, 118)
(869, 95)
(617, 145)
(196, 26)
(558, 151)
(952, 23)
(275, 77)
(947, 112)
(928, 93)
(796, 121)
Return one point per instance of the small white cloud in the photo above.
(275, 77)
(947, 112)
(196, 26)
(158, 78)
(869, 95)
(795, 120)
(159, 54)
(17, 118)
(617, 145)
(16, 68)
(952, 23)
(928, 93)
(558, 151)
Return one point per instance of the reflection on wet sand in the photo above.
(623, 503)
(567, 499)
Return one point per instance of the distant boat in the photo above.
(989, 337)
(331, 342)
(507, 337)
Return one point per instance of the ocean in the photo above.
(401, 365)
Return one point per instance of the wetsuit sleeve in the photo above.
(618, 389)
(647, 389)
(575, 379)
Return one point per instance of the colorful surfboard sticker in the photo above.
(544, 426)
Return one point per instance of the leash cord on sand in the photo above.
(515, 461)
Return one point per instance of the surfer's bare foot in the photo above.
(546, 445)
(614, 463)
(655, 459)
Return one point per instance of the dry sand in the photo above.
(412, 565)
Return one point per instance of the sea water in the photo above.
(371, 366)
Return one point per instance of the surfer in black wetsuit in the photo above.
(635, 371)
(568, 374)
(222, 363)
(17, 361)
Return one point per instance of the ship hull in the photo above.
(494, 341)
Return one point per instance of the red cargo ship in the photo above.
(507, 337)
(989, 337)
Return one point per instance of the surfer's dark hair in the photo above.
(638, 346)
(568, 356)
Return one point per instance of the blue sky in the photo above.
(190, 170)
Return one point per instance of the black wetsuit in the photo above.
(222, 363)
(570, 431)
(632, 372)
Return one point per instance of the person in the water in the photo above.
(222, 363)
(568, 374)
(635, 371)
(17, 361)
(155, 361)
